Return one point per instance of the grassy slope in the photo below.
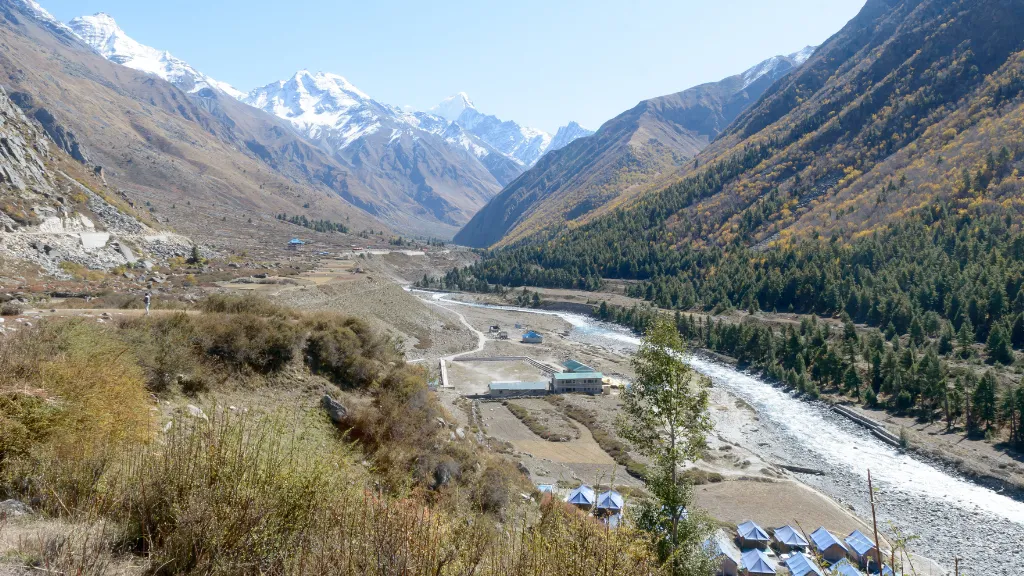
(267, 485)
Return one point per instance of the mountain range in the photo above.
(314, 144)
(426, 172)
(911, 113)
(642, 148)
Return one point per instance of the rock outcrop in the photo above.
(49, 218)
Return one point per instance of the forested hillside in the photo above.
(880, 182)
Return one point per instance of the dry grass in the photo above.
(245, 493)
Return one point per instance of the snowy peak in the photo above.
(319, 103)
(40, 13)
(102, 33)
(803, 55)
(776, 66)
(451, 108)
(566, 135)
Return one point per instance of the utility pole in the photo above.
(956, 566)
(874, 521)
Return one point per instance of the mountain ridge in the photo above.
(649, 145)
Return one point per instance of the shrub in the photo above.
(164, 348)
(247, 341)
(11, 308)
(345, 350)
(247, 304)
(88, 398)
(698, 477)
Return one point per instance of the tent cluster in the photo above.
(606, 505)
(753, 551)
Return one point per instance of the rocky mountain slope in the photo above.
(53, 221)
(648, 145)
(161, 145)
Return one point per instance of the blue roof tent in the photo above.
(757, 562)
(532, 337)
(296, 242)
(721, 548)
(583, 496)
(752, 536)
(844, 568)
(860, 545)
(610, 501)
(789, 538)
(800, 564)
(828, 546)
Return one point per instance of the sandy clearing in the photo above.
(503, 425)
(774, 504)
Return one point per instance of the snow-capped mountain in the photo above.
(566, 135)
(775, 64)
(522, 144)
(40, 14)
(101, 32)
(451, 108)
(321, 106)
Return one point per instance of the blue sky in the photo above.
(539, 62)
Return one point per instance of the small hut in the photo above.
(295, 244)
(757, 562)
(828, 546)
(582, 497)
(752, 536)
(800, 564)
(862, 549)
(723, 551)
(532, 337)
(789, 539)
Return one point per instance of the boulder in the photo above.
(335, 410)
(14, 508)
(196, 412)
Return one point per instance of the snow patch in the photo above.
(102, 33)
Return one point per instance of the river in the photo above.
(950, 516)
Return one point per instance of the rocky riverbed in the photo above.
(948, 515)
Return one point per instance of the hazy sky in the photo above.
(539, 62)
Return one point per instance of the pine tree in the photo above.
(851, 380)
(984, 402)
(965, 338)
(998, 346)
(1017, 332)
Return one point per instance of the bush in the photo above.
(247, 304)
(88, 397)
(11, 308)
(247, 341)
(165, 349)
(346, 351)
(698, 477)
